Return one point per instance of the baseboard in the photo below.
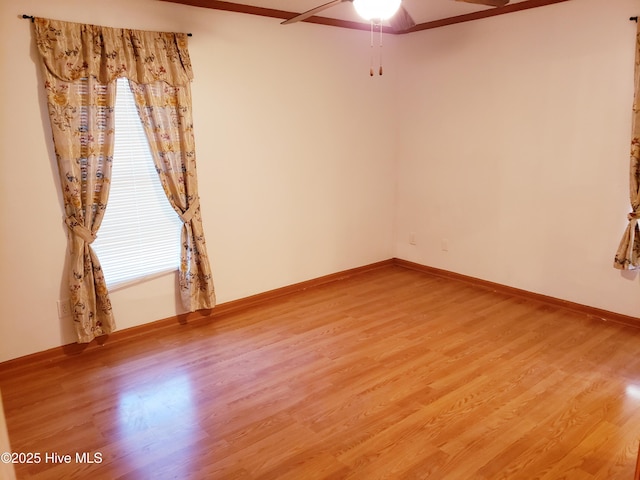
(254, 300)
(516, 292)
(227, 308)
(235, 306)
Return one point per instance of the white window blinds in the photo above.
(140, 232)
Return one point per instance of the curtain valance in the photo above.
(73, 50)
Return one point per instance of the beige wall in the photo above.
(507, 137)
(294, 160)
(514, 135)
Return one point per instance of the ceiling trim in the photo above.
(493, 12)
(272, 13)
(285, 15)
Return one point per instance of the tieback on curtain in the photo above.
(188, 215)
(79, 229)
(633, 216)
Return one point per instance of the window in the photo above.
(140, 232)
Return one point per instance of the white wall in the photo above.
(295, 163)
(514, 139)
(507, 137)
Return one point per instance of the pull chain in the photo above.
(380, 52)
(371, 52)
(373, 25)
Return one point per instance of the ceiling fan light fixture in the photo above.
(376, 9)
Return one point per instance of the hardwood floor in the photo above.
(390, 374)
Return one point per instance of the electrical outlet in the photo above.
(64, 308)
(412, 238)
(444, 245)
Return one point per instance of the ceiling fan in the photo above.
(399, 19)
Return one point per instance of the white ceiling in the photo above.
(422, 11)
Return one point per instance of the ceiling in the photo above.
(422, 11)
(426, 13)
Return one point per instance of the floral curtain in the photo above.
(628, 254)
(80, 65)
(165, 112)
(71, 51)
(82, 124)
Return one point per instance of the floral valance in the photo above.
(74, 50)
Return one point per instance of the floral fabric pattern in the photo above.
(165, 112)
(628, 254)
(82, 123)
(80, 66)
(71, 51)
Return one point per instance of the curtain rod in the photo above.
(31, 17)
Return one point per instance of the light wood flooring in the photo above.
(389, 374)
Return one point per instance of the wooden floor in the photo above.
(390, 374)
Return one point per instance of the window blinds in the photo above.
(140, 232)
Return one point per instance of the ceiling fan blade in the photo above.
(313, 11)
(488, 3)
(401, 21)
